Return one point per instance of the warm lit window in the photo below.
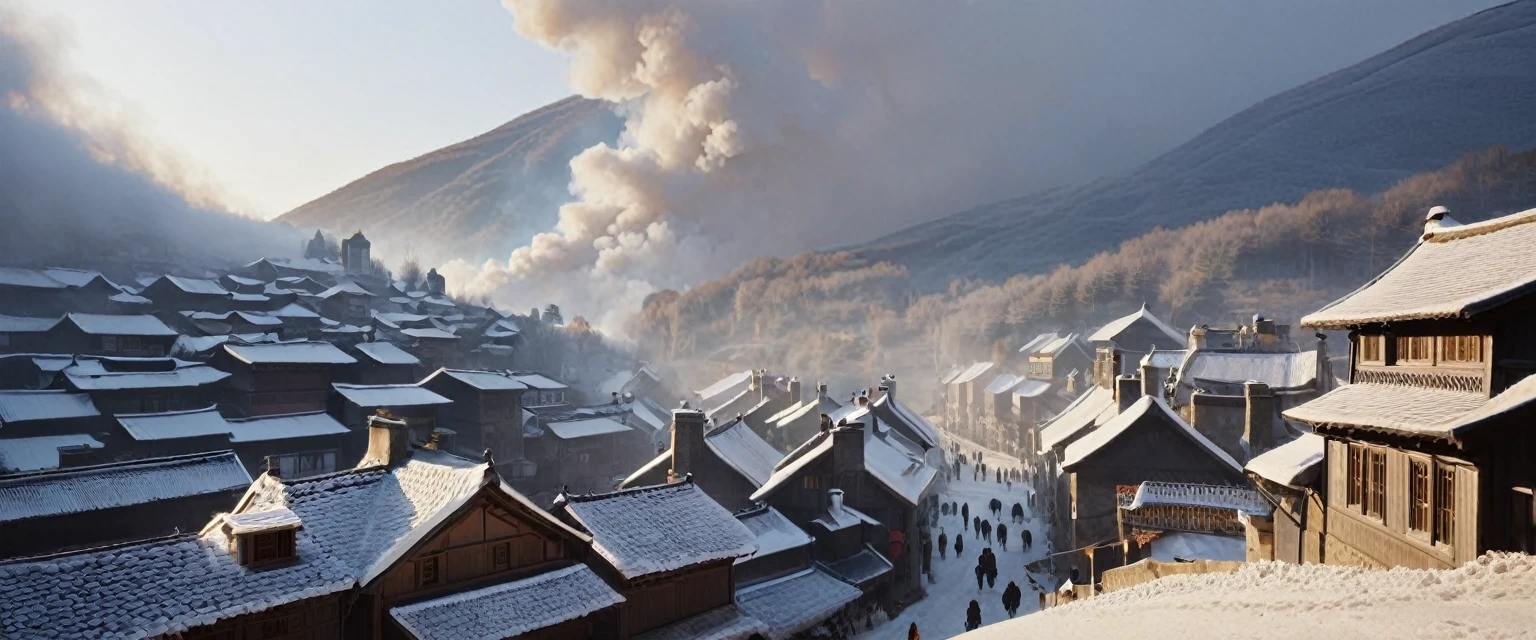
(1376, 494)
(426, 572)
(1416, 349)
(1372, 349)
(810, 482)
(1461, 349)
(1445, 504)
(1419, 512)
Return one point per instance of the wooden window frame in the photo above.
(1445, 505)
(501, 556)
(1355, 473)
(1376, 485)
(271, 546)
(109, 343)
(810, 483)
(428, 572)
(1421, 502)
(1379, 342)
(1406, 346)
(1460, 351)
(131, 343)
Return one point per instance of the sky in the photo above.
(276, 103)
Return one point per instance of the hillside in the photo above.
(491, 193)
(1465, 86)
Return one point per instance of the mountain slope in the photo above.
(491, 192)
(1467, 85)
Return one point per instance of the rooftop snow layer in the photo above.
(21, 406)
(742, 449)
(1181, 494)
(796, 602)
(509, 609)
(388, 395)
(1095, 406)
(386, 353)
(289, 353)
(483, 380)
(196, 286)
(1407, 410)
(145, 427)
(36, 454)
(29, 278)
(1109, 332)
(1278, 370)
(729, 622)
(861, 567)
(430, 333)
(972, 372)
(283, 427)
(19, 324)
(1293, 464)
(585, 428)
(539, 381)
(1453, 272)
(1004, 383)
(1110, 430)
(258, 521)
(1033, 346)
(192, 375)
(79, 489)
(731, 385)
(130, 325)
(774, 532)
(658, 529)
(1031, 388)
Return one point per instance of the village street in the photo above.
(942, 613)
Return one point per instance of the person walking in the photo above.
(912, 631)
(981, 569)
(1012, 597)
(976, 526)
(986, 530)
(973, 616)
(943, 543)
(959, 545)
(965, 512)
(1002, 535)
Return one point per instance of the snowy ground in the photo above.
(1492, 597)
(942, 613)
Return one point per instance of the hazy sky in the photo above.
(282, 101)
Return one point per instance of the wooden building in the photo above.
(486, 413)
(583, 448)
(782, 584)
(1429, 446)
(279, 378)
(384, 363)
(800, 421)
(346, 302)
(671, 552)
(174, 293)
(965, 400)
(106, 335)
(1290, 477)
(143, 385)
(53, 291)
(1120, 345)
(729, 462)
(33, 413)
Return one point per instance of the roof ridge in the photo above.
(1472, 230)
(170, 537)
(592, 497)
(163, 460)
(211, 407)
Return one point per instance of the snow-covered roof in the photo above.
(386, 353)
(346, 288)
(657, 529)
(1004, 383)
(429, 333)
(19, 324)
(1173, 546)
(1111, 331)
(886, 458)
(731, 384)
(774, 532)
(126, 325)
(249, 282)
(1453, 272)
(971, 373)
(249, 317)
(145, 427)
(294, 310)
(1232, 497)
(729, 622)
(503, 328)
(128, 298)
(1166, 358)
(1056, 346)
(259, 521)
(896, 413)
(482, 380)
(1278, 370)
(791, 465)
(79, 489)
(1099, 438)
(1034, 344)
(796, 602)
(1495, 594)
(585, 428)
(861, 567)
(21, 406)
(1031, 388)
(196, 286)
(289, 353)
(539, 381)
(509, 609)
(644, 412)
(42, 452)
(1097, 405)
(184, 375)
(30, 278)
(742, 449)
(815, 406)
(1293, 464)
(842, 517)
(283, 427)
(388, 395)
(1418, 411)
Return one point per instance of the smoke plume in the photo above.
(79, 186)
(769, 128)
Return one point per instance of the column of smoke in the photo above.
(79, 187)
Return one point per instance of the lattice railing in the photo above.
(1447, 381)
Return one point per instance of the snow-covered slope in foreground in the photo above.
(1494, 597)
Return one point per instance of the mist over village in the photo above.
(675, 319)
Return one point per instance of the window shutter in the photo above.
(1466, 515)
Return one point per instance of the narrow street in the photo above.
(942, 613)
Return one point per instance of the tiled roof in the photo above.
(192, 375)
(739, 447)
(130, 325)
(21, 406)
(386, 353)
(1278, 370)
(1099, 438)
(725, 623)
(509, 609)
(389, 395)
(289, 353)
(1414, 411)
(1111, 331)
(585, 428)
(1231, 497)
(196, 286)
(80, 489)
(774, 532)
(658, 529)
(1293, 464)
(19, 324)
(861, 567)
(796, 602)
(283, 427)
(36, 454)
(144, 427)
(1453, 272)
(1097, 405)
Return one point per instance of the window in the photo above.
(274, 545)
(1419, 512)
(1376, 496)
(1445, 504)
(132, 343)
(501, 556)
(1356, 475)
(109, 343)
(5, 339)
(426, 572)
(1415, 349)
(1372, 349)
(810, 482)
(1461, 349)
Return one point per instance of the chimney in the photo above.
(757, 382)
(826, 423)
(1151, 377)
(1438, 218)
(847, 450)
(1196, 338)
(1127, 391)
(835, 500)
(794, 390)
(1324, 366)
(889, 384)
(388, 442)
(77, 455)
(615, 397)
(687, 442)
(1258, 418)
(1072, 382)
(821, 390)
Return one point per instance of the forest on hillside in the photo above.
(846, 322)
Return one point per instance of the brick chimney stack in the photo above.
(687, 441)
(388, 442)
(1151, 377)
(1127, 391)
(1258, 418)
(794, 390)
(847, 451)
